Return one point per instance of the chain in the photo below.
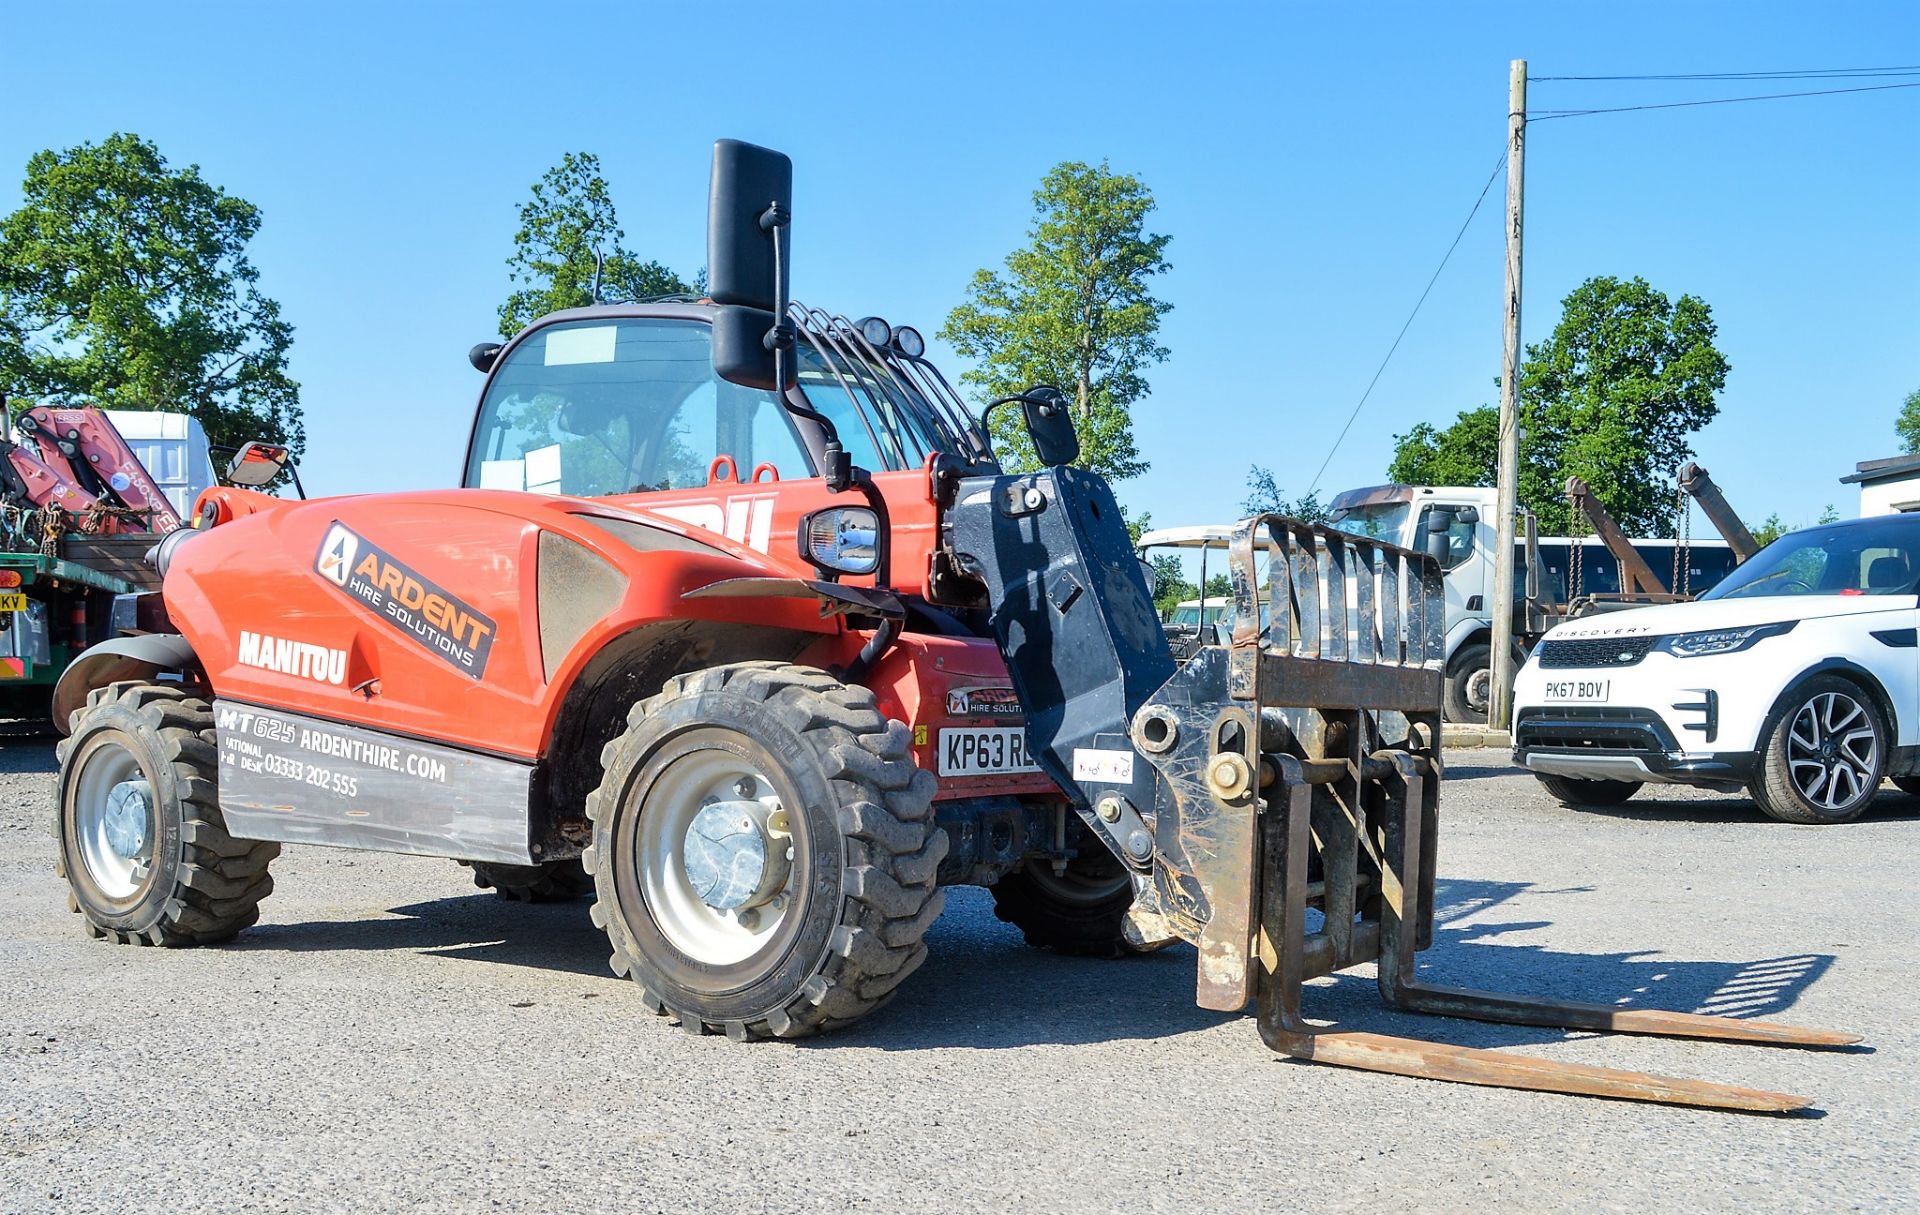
(1683, 552)
(1577, 559)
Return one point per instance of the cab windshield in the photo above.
(621, 405)
(1870, 557)
(1386, 521)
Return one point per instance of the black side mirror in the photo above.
(749, 206)
(1050, 424)
(1469, 515)
(1439, 519)
(482, 356)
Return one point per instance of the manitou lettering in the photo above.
(289, 657)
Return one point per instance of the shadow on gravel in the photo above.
(1889, 807)
(24, 751)
(480, 927)
(1483, 771)
(983, 988)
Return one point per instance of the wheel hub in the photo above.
(737, 853)
(129, 808)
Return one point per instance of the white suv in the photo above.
(1797, 678)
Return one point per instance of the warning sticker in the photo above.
(442, 624)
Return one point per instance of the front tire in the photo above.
(1823, 758)
(143, 846)
(1572, 791)
(764, 851)
(1082, 911)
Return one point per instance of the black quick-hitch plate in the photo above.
(1079, 632)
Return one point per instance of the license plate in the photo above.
(13, 601)
(985, 751)
(1590, 691)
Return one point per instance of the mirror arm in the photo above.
(777, 222)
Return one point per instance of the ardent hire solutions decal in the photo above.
(440, 622)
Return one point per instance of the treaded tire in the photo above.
(1572, 791)
(1469, 659)
(864, 887)
(1773, 789)
(547, 882)
(1069, 913)
(200, 885)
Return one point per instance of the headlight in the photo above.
(842, 539)
(1720, 641)
(909, 342)
(877, 332)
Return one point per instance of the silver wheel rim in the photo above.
(114, 822)
(714, 854)
(1833, 751)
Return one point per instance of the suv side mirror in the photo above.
(1050, 424)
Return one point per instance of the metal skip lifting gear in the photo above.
(1298, 767)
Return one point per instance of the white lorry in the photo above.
(1401, 514)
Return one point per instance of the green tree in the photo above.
(126, 284)
(1770, 530)
(1907, 425)
(1170, 585)
(1465, 453)
(1264, 498)
(568, 231)
(1073, 308)
(1612, 396)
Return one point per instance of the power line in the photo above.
(1497, 166)
(1853, 73)
(1544, 115)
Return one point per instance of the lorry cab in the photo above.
(1568, 568)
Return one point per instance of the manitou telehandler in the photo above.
(737, 618)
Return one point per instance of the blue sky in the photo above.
(1310, 163)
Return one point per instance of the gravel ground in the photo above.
(389, 1038)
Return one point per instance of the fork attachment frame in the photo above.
(1299, 768)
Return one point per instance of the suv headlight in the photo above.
(1720, 641)
(842, 539)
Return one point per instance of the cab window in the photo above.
(622, 405)
(1459, 538)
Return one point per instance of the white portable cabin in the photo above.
(173, 447)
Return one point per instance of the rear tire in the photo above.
(1468, 663)
(1823, 756)
(1572, 791)
(840, 887)
(549, 882)
(143, 846)
(1082, 911)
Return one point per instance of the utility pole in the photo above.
(1500, 695)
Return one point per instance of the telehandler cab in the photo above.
(737, 620)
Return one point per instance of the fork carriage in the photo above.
(1300, 768)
